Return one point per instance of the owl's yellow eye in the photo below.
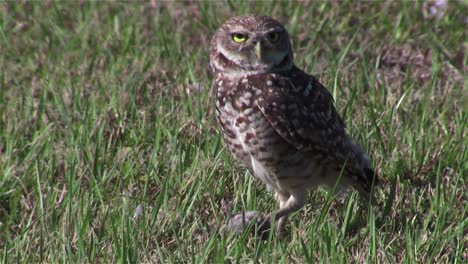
(273, 36)
(239, 37)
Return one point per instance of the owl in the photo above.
(277, 120)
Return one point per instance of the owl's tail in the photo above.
(368, 179)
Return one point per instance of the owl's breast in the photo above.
(238, 114)
(249, 135)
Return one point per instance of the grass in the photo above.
(109, 151)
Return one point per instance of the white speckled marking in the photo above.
(248, 111)
(244, 101)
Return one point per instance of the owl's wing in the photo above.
(302, 111)
(304, 114)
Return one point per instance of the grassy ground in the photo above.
(109, 149)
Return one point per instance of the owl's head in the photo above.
(251, 45)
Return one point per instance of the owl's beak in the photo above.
(258, 50)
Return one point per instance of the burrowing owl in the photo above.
(279, 121)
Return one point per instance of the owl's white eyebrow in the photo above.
(237, 29)
(277, 29)
(243, 31)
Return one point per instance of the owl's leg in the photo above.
(293, 203)
(282, 198)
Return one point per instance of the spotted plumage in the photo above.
(279, 121)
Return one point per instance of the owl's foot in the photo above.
(240, 222)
